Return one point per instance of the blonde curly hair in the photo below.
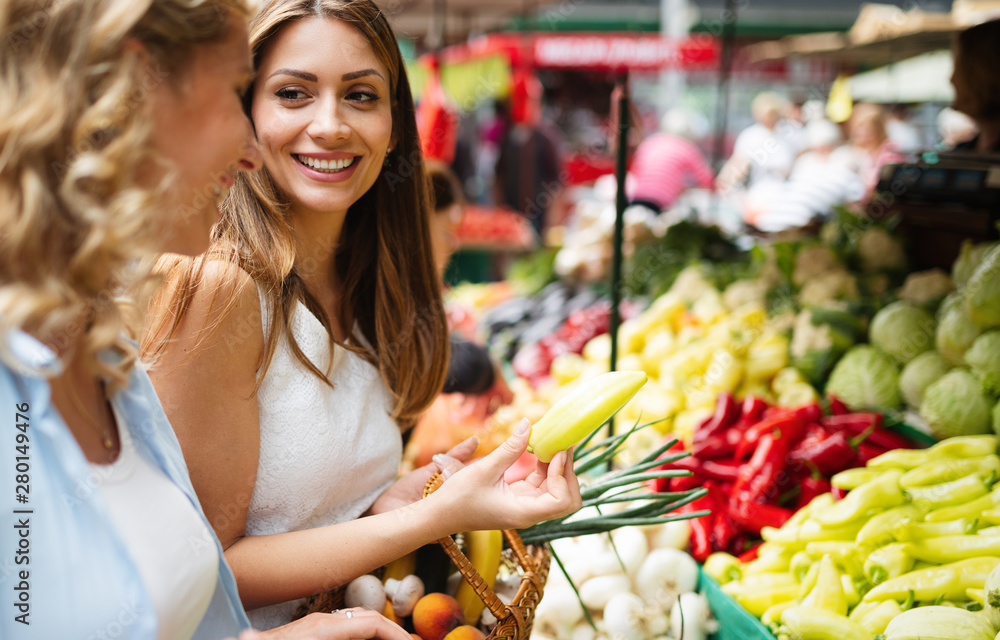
(77, 205)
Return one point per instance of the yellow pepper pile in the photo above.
(917, 528)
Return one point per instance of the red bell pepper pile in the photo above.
(760, 464)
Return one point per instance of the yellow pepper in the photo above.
(722, 567)
(948, 581)
(582, 410)
(757, 601)
(847, 555)
(909, 531)
(888, 562)
(878, 530)
(957, 447)
(810, 623)
(948, 494)
(876, 620)
(881, 493)
(971, 509)
(828, 593)
(948, 469)
(773, 613)
(812, 531)
(854, 478)
(850, 590)
(990, 516)
(954, 548)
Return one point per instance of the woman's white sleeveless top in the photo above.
(325, 453)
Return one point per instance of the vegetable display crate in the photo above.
(735, 622)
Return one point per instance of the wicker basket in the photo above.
(514, 619)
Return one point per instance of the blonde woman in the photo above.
(121, 125)
(868, 145)
(292, 357)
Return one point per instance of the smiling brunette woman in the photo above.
(290, 358)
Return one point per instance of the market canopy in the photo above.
(882, 34)
(481, 68)
(418, 19)
(924, 78)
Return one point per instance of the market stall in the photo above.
(820, 411)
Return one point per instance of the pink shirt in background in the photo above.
(664, 167)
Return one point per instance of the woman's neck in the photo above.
(317, 236)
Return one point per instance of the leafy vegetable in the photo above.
(866, 378)
(956, 331)
(996, 418)
(919, 373)
(983, 291)
(954, 406)
(819, 338)
(653, 268)
(969, 258)
(903, 331)
(983, 357)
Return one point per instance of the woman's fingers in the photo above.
(345, 624)
(463, 450)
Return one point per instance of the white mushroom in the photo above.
(404, 594)
(366, 592)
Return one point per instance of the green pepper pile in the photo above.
(915, 528)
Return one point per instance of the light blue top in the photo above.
(81, 581)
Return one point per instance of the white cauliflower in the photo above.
(834, 285)
(925, 287)
(813, 261)
(879, 251)
(744, 292)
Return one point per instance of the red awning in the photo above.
(591, 52)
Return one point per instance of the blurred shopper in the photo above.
(955, 128)
(667, 163)
(817, 184)
(764, 150)
(902, 132)
(527, 176)
(977, 84)
(869, 146)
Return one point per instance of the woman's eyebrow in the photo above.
(309, 77)
(354, 75)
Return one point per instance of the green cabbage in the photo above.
(996, 419)
(982, 291)
(918, 374)
(968, 260)
(956, 331)
(983, 357)
(902, 330)
(866, 378)
(954, 406)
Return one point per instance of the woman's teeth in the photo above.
(327, 166)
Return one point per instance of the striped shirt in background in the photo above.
(664, 167)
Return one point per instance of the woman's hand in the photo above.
(479, 498)
(346, 624)
(410, 487)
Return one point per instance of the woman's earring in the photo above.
(385, 163)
